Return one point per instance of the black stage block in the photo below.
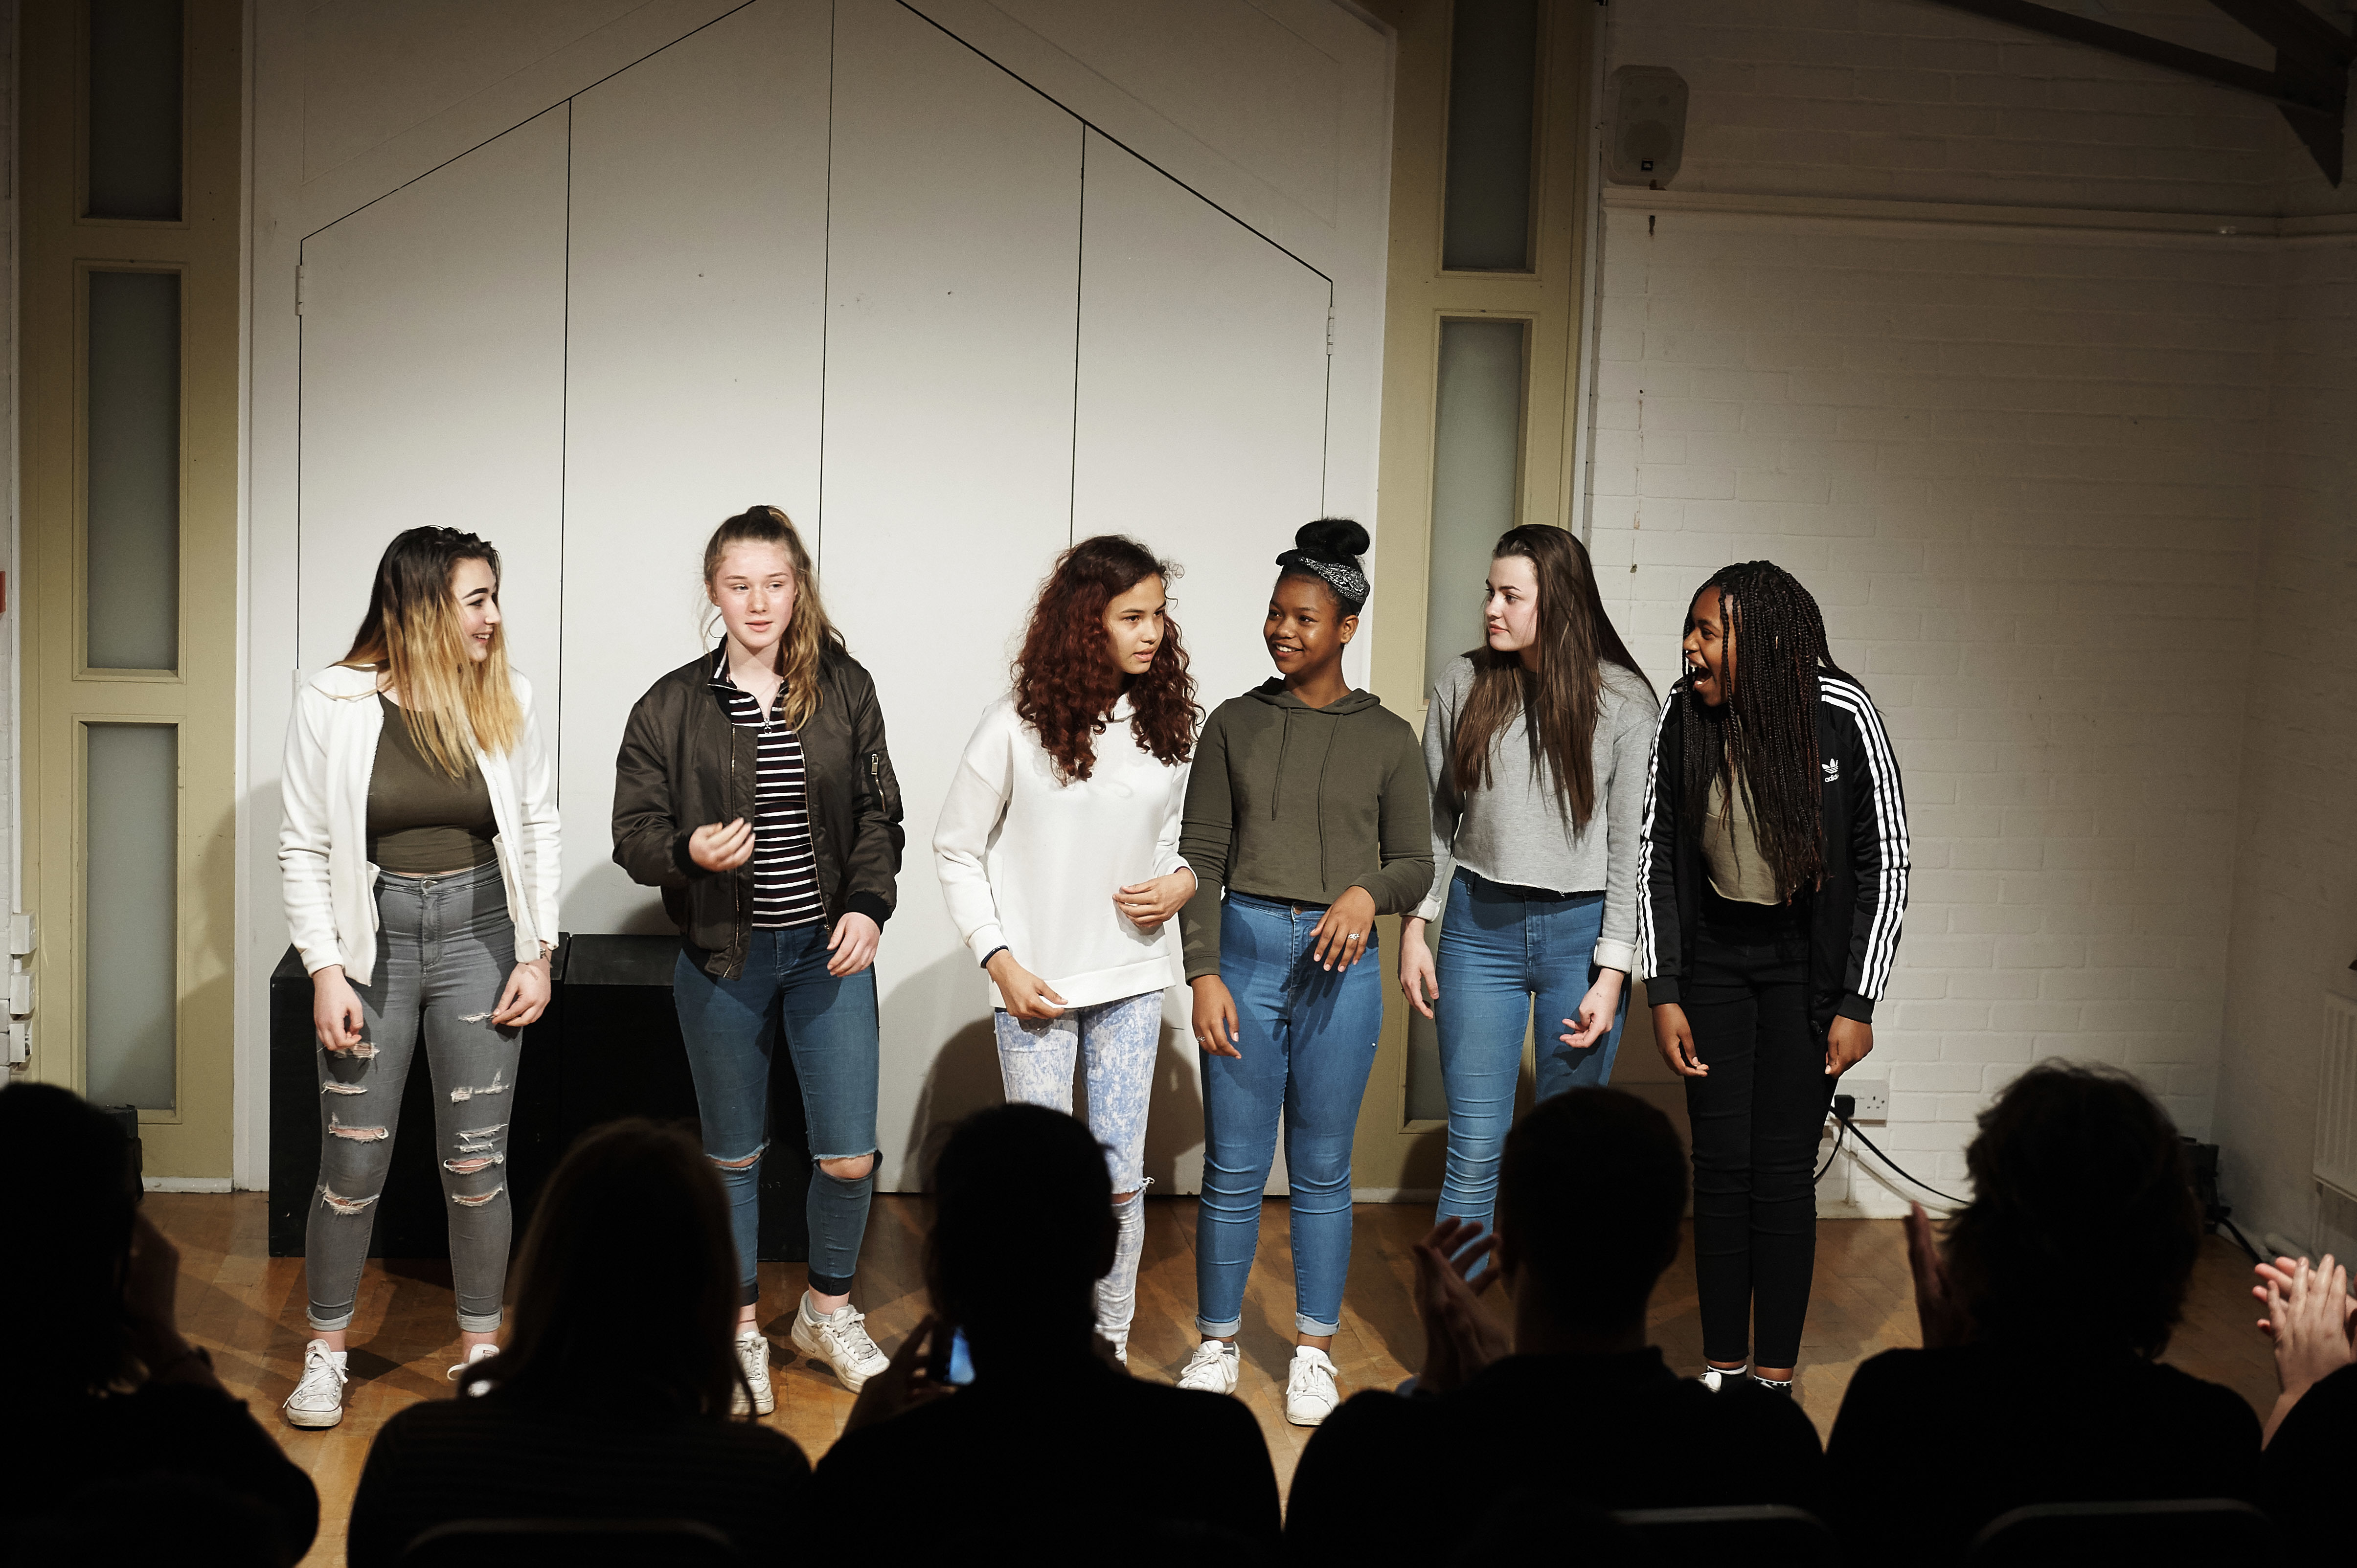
(608, 1045)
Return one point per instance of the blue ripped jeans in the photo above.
(1309, 1042)
(1502, 950)
(732, 1027)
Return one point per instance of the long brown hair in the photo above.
(1064, 687)
(629, 1245)
(809, 636)
(412, 635)
(1561, 698)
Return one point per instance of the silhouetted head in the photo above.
(1589, 1194)
(1023, 1228)
(629, 1247)
(2073, 1162)
(65, 1231)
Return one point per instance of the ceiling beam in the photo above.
(2309, 82)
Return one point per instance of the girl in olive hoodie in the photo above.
(1307, 816)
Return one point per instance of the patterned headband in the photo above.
(1349, 584)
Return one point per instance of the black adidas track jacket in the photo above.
(1853, 918)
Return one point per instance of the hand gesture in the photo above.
(1846, 1045)
(904, 1385)
(721, 846)
(1343, 932)
(526, 996)
(1146, 905)
(1026, 995)
(1676, 1037)
(1596, 1011)
(335, 1009)
(1418, 975)
(853, 944)
(1937, 1311)
(1216, 1027)
(1461, 1338)
(2309, 1317)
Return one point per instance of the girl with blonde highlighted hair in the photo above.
(419, 862)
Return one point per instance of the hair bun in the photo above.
(1332, 539)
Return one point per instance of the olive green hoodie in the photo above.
(1300, 803)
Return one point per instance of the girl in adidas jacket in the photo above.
(1775, 880)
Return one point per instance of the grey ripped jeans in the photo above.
(444, 948)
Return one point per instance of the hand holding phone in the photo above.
(919, 1373)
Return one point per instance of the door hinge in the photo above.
(302, 283)
(1329, 331)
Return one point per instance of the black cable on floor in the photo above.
(2241, 1240)
(1840, 1131)
(1895, 1165)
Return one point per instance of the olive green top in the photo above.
(419, 818)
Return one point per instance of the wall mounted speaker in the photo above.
(1647, 126)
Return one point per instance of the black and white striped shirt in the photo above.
(785, 866)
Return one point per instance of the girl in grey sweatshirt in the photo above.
(1536, 747)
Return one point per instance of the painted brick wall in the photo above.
(1900, 98)
(2295, 866)
(2020, 473)
(2074, 503)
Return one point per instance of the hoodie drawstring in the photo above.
(1284, 739)
(1324, 758)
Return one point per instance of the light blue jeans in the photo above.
(1309, 1042)
(1118, 1041)
(1502, 948)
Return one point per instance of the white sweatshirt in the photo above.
(1032, 864)
(324, 875)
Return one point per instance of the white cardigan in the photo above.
(1031, 864)
(324, 873)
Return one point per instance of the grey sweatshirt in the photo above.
(1514, 832)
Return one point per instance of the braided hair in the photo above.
(1765, 734)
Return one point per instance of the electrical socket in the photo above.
(1873, 1096)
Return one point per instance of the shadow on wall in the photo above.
(963, 1078)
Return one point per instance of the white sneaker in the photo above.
(753, 1355)
(1309, 1394)
(472, 1385)
(318, 1397)
(840, 1339)
(1716, 1378)
(1213, 1368)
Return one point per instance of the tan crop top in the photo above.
(419, 818)
(1730, 850)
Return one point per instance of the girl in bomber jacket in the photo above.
(1774, 881)
(753, 787)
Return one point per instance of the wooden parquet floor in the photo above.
(247, 1308)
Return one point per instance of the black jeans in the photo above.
(1757, 1120)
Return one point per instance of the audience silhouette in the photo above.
(613, 1395)
(1578, 1408)
(116, 1441)
(2043, 1317)
(1052, 1451)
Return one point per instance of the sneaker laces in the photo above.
(1208, 1354)
(851, 1336)
(321, 1377)
(1307, 1372)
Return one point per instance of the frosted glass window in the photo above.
(1477, 460)
(134, 109)
(1493, 56)
(131, 914)
(133, 575)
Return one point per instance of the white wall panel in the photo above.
(1200, 426)
(696, 336)
(951, 295)
(432, 388)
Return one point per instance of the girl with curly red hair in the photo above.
(1057, 849)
